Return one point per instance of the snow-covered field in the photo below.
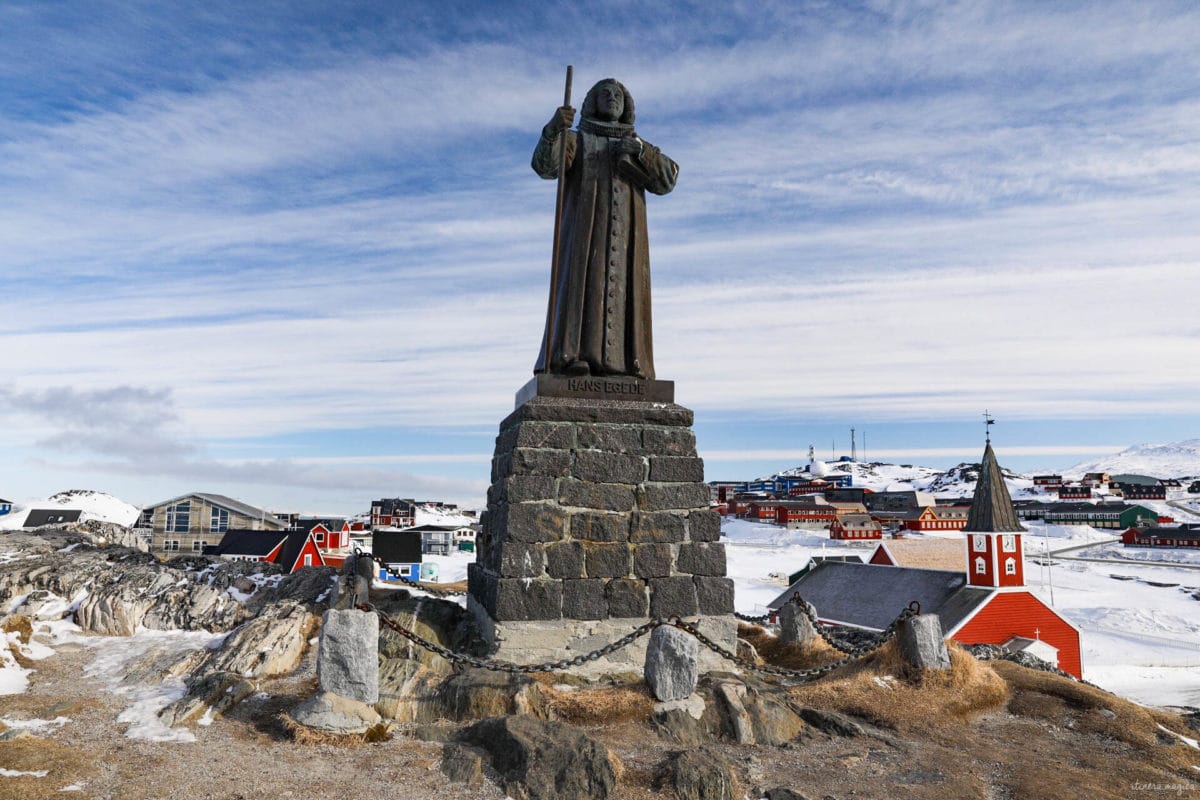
(1139, 640)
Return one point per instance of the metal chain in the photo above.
(496, 665)
(914, 608)
(748, 618)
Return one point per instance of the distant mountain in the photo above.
(1173, 460)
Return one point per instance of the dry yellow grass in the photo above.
(882, 689)
(19, 624)
(600, 706)
(790, 656)
(1058, 700)
(63, 766)
(300, 734)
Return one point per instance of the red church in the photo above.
(985, 603)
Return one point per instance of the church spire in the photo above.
(992, 507)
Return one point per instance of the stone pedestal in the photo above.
(597, 520)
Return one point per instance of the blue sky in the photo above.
(294, 252)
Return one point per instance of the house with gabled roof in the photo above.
(292, 550)
(191, 522)
(397, 554)
(38, 517)
(982, 601)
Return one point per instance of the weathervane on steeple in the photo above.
(988, 422)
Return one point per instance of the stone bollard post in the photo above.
(794, 625)
(348, 655)
(347, 672)
(922, 645)
(354, 582)
(672, 663)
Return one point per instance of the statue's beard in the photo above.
(602, 127)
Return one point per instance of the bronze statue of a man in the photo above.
(601, 307)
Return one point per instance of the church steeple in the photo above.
(995, 554)
(992, 506)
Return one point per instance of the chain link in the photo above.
(497, 665)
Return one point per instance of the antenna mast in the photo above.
(853, 447)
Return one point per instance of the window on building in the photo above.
(980, 566)
(1010, 566)
(171, 545)
(1009, 543)
(308, 559)
(198, 545)
(179, 517)
(319, 537)
(219, 522)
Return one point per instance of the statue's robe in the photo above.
(602, 308)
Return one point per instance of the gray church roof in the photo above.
(872, 596)
(992, 506)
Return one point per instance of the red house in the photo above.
(1066, 492)
(987, 603)
(939, 518)
(1183, 536)
(293, 550)
(855, 526)
(1047, 482)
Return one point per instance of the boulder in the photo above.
(795, 627)
(701, 774)
(348, 655)
(268, 645)
(922, 645)
(832, 722)
(330, 713)
(478, 693)
(219, 691)
(462, 763)
(672, 663)
(541, 760)
(409, 691)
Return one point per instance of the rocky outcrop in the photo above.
(540, 760)
(218, 691)
(701, 774)
(269, 645)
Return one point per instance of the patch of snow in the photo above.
(14, 679)
(113, 657)
(16, 773)
(74, 787)
(35, 725)
(1187, 740)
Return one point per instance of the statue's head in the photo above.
(609, 101)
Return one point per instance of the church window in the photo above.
(980, 566)
(1010, 566)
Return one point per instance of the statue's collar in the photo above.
(602, 128)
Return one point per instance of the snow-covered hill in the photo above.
(93, 505)
(1171, 460)
(958, 481)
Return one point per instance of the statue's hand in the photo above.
(562, 119)
(628, 145)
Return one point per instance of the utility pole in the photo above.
(853, 447)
